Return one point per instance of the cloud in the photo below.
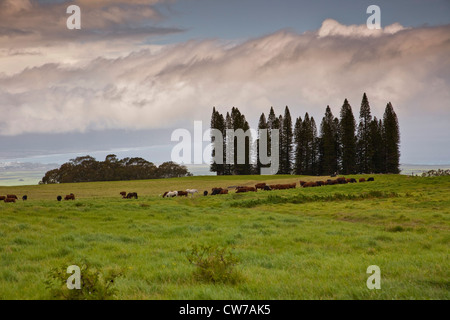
(170, 86)
(331, 27)
(38, 23)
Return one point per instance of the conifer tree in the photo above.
(299, 147)
(286, 146)
(364, 146)
(348, 139)
(391, 135)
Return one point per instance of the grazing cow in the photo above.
(293, 185)
(59, 198)
(310, 184)
(69, 197)
(123, 194)
(2, 198)
(352, 180)
(205, 193)
(216, 191)
(362, 180)
(267, 188)
(192, 191)
(182, 194)
(24, 198)
(171, 194)
(302, 183)
(245, 189)
(371, 179)
(132, 195)
(224, 191)
(320, 183)
(341, 180)
(12, 196)
(331, 182)
(10, 200)
(165, 194)
(260, 186)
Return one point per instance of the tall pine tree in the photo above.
(348, 139)
(299, 147)
(286, 147)
(329, 144)
(364, 146)
(391, 135)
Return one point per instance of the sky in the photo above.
(139, 69)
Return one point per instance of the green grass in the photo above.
(292, 244)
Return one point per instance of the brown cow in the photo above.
(182, 194)
(302, 183)
(362, 180)
(132, 195)
(216, 191)
(123, 194)
(10, 200)
(245, 189)
(260, 186)
(2, 198)
(310, 184)
(224, 191)
(12, 196)
(69, 197)
(342, 180)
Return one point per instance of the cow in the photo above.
(351, 180)
(216, 191)
(69, 197)
(245, 189)
(165, 194)
(320, 183)
(182, 194)
(267, 188)
(224, 191)
(331, 182)
(342, 180)
(362, 180)
(371, 179)
(123, 194)
(310, 184)
(205, 193)
(171, 194)
(10, 200)
(59, 198)
(12, 196)
(2, 198)
(24, 198)
(292, 185)
(192, 191)
(132, 195)
(260, 186)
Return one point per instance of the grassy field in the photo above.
(311, 243)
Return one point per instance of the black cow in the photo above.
(59, 198)
(371, 179)
(267, 188)
(205, 193)
(24, 198)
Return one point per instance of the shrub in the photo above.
(94, 285)
(214, 264)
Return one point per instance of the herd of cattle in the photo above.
(12, 198)
(218, 191)
(265, 187)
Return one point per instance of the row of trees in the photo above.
(341, 145)
(87, 169)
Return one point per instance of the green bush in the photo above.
(94, 285)
(214, 264)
